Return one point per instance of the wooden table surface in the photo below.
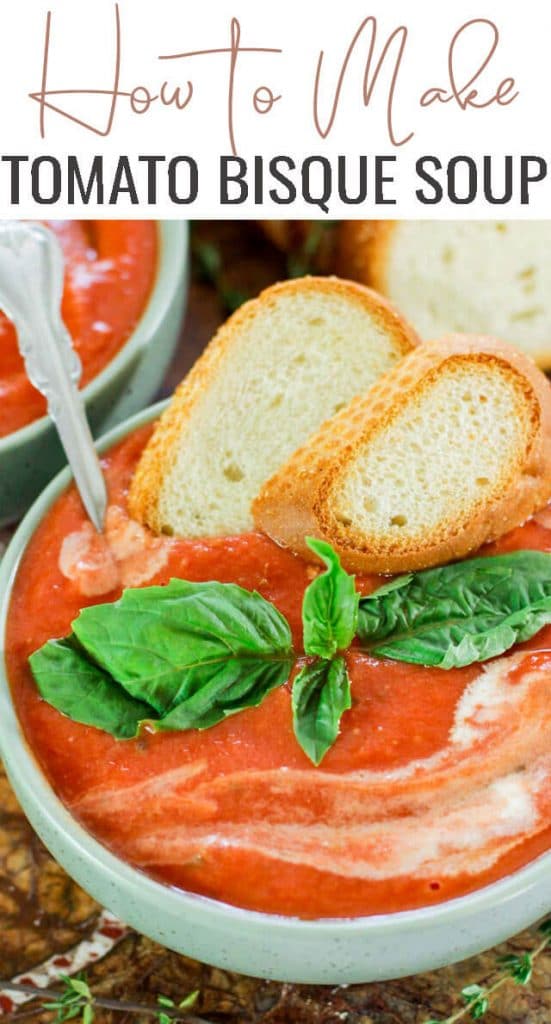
(43, 913)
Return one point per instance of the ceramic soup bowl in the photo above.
(325, 951)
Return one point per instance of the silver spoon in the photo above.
(31, 289)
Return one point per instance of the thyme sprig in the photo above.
(76, 999)
(304, 260)
(210, 268)
(515, 968)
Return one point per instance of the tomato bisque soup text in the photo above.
(439, 783)
(110, 268)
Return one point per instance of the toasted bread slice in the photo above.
(489, 277)
(280, 366)
(451, 449)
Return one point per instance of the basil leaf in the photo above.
(321, 692)
(163, 643)
(72, 684)
(223, 689)
(330, 606)
(458, 614)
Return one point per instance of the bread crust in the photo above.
(362, 251)
(296, 502)
(160, 454)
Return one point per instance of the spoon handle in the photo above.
(31, 290)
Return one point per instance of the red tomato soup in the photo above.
(439, 782)
(109, 272)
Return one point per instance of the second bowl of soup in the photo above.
(124, 298)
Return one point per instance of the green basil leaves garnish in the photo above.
(330, 607)
(67, 679)
(180, 656)
(187, 655)
(162, 644)
(459, 614)
(321, 692)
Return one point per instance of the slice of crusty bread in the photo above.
(280, 366)
(489, 277)
(451, 449)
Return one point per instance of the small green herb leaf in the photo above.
(189, 1000)
(321, 693)
(88, 1014)
(471, 992)
(71, 1013)
(78, 985)
(164, 644)
(165, 1001)
(76, 1001)
(232, 298)
(518, 967)
(64, 1010)
(208, 260)
(69, 681)
(475, 998)
(459, 614)
(479, 1009)
(304, 260)
(330, 606)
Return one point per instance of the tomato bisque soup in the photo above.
(439, 782)
(110, 268)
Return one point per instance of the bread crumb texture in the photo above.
(488, 277)
(455, 445)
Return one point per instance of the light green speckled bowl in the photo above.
(287, 949)
(30, 457)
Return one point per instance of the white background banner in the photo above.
(295, 109)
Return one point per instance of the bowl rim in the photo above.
(28, 778)
(172, 261)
